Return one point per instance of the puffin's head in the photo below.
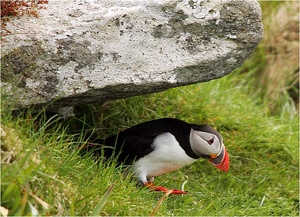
(207, 142)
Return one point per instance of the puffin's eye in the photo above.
(211, 141)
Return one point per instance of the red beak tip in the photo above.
(225, 170)
(224, 167)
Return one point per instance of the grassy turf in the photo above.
(262, 180)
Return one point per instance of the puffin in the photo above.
(160, 146)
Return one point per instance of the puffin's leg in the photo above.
(163, 189)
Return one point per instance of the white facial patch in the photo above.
(200, 143)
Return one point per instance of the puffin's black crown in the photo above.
(207, 129)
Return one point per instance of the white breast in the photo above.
(167, 156)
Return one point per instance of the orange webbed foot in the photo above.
(163, 189)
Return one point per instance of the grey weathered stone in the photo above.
(92, 51)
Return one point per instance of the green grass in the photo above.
(42, 170)
(262, 180)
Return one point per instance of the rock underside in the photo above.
(79, 52)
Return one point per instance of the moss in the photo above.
(20, 64)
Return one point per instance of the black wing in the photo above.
(132, 143)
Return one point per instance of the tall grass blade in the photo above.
(102, 201)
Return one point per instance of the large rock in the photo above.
(88, 51)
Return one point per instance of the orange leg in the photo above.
(163, 189)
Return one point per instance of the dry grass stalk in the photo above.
(281, 45)
(160, 202)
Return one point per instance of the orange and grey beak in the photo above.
(220, 161)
